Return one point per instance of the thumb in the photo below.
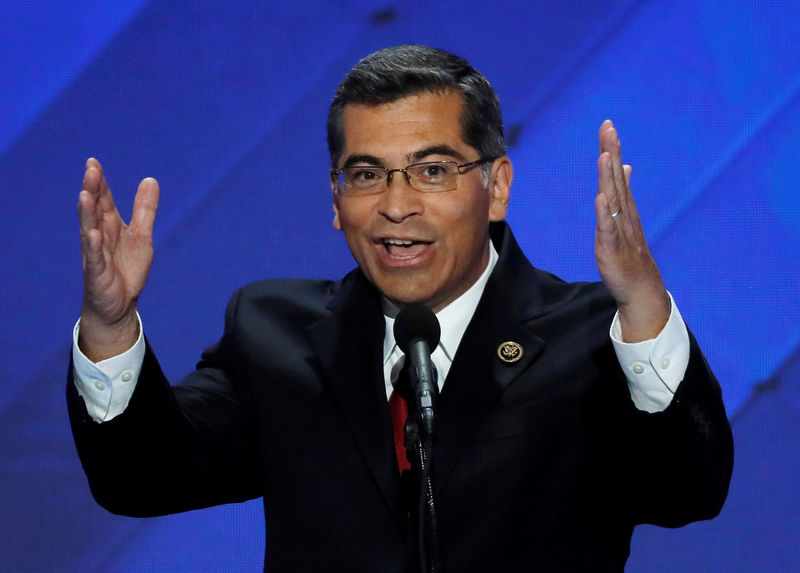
(145, 206)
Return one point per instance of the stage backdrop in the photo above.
(225, 103)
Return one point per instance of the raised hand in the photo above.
(116, 261)
(623, 258)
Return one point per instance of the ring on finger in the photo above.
(616, 213)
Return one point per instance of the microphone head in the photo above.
(416, 321)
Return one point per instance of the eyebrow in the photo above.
(367, 159)
(436, 150)
(363, 158)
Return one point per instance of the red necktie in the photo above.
(398, 408)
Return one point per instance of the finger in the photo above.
(608, 232)
(93, 177)
(87, 217)
(607, 185)
(604, 127)
(95, 232)
(145, 206)
(91, 234)
(610, 142)
(609, 153)
(94, 181)
(626, 199)
(631, 211)
(614, 146)
(94, 260)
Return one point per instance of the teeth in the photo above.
(399, 242)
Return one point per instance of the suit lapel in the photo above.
(478, 376)
(349, 344)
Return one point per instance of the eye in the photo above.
(433, 171)
(436, 172)
(363, 176)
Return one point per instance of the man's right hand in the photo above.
(116, 261)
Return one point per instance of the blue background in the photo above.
(225, 104)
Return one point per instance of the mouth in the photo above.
(403, 249)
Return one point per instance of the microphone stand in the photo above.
(417, 332)
(419, 443)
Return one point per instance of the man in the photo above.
(553, 439)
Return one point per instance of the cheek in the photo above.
(469, 219)
(353, 228)
(348, 217)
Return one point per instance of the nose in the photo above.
(399, 201)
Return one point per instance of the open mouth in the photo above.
(404, 248)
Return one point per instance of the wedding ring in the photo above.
(615, 214)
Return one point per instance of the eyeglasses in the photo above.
(427, 177)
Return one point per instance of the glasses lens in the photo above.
(361, 180)
(433, 176)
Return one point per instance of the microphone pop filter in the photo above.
(416, 321)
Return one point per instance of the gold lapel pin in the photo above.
(509, 352)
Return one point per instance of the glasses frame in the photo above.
(336, 174)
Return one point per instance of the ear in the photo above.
(500, 188)
(336, 224)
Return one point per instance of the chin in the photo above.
(402, 297)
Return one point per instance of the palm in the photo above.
(127, 256)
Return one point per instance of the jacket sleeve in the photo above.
(678, 462)
(174, 448)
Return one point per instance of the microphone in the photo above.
(417, 333)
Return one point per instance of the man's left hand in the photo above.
(623, 258)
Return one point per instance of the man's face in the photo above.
(417, 247)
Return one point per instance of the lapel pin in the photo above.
(509, 352)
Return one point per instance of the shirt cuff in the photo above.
(107, 386)
(654, 368)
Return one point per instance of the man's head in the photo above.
(415, 240)
(393, 73)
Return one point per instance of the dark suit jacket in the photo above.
(540, 465)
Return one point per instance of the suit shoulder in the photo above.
(555, 292)
(297, 289)
(536, 288)
(294, 298)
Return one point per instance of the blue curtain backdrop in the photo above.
(225, 104)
